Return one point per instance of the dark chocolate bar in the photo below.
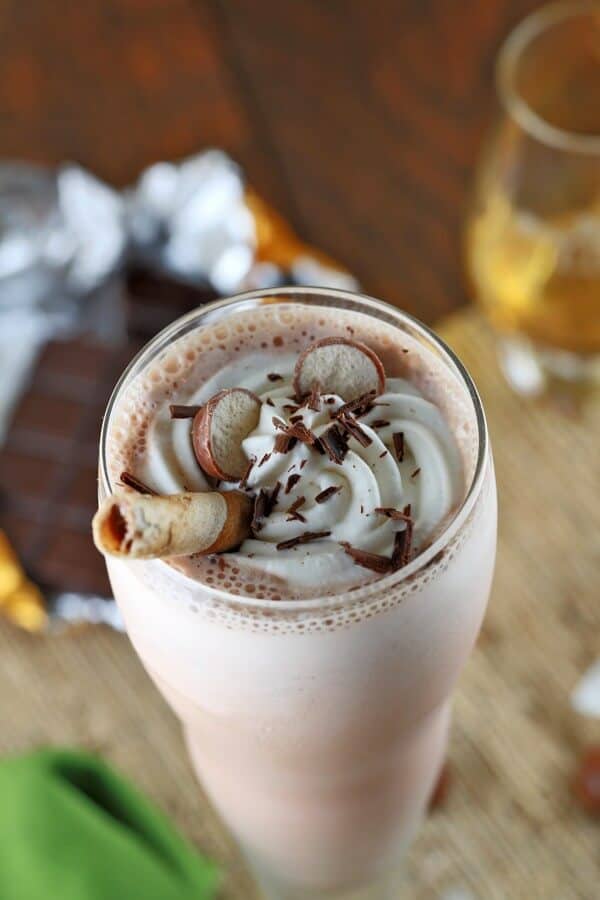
(155, 300)
(49, 461)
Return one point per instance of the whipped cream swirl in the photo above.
(429, 476)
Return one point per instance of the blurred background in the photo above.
(353, 132)
(361, 124)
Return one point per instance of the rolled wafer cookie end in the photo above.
(139, 526)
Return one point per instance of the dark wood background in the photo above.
(359, 120)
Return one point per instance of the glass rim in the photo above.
(508, 58)
(359, 303)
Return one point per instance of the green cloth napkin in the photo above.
(72, 829)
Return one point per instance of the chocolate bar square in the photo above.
(154, 300)
(48, 464)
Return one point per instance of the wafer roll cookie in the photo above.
(140, 526)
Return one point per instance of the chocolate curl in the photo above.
(138, 526)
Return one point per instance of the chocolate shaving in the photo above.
(349, 424)
(327, 493)
(402, 546)
(269, 402)
(246, 475)
(291, 407)
(294, 419)
(398, 439)
(265, 459)
(274, 376)
(394, 514)
(330, 400)
(293, 513)
(304, 434)
(264, 504)
(314, 400)
(379, 423)
(297, 504)
(131, 481)
(381, 455)
(303, 463)
(304, 538)
(335, 444)
(296, 517)
(373, 561)
(297, 431)
(181, 411)
(358, 406)
(260, 510)
(292, 480)
(284, 443)
(416, 472)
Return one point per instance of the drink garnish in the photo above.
(328, 492)
(373, 561)
(246, 475)
(398, 439)
(292, 480)
(305, 538)
(293, 514)
(395, 514)
(339, 366)
(284, 442)
(349, 424)
(402, 546)
(314, 400)
(147, 526)
(219, 428)
(359, 406)
(137, 484)
(334, 443)
(260, 510)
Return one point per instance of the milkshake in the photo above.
(312, 661)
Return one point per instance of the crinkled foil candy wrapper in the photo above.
(195, 219)
(65, 233)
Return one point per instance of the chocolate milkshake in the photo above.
(310, 640)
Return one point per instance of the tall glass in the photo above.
(318, 727)
(533, 234)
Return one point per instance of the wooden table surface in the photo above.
(359, 120)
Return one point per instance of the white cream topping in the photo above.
(429, 476)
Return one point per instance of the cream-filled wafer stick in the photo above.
(140, 526)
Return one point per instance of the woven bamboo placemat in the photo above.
(509, 829)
